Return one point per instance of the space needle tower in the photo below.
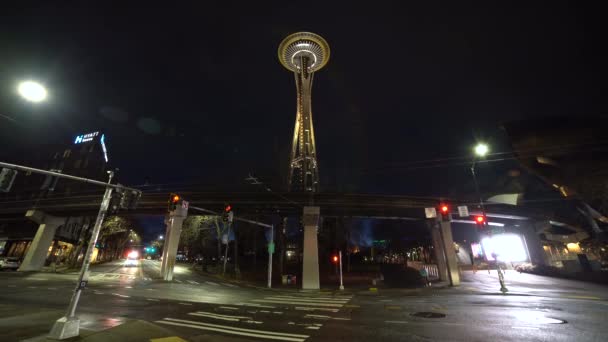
(303, 53)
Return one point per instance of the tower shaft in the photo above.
(303, 168)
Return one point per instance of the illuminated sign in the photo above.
(85, 137)
(103, 147)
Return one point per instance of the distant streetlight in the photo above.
(32, 91)
(160, 237)
(481, 150)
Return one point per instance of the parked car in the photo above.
(10, 263)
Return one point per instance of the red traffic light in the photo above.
(480, 220)
(334, 259)
(175, 198)
(228, 208)
(444, 209)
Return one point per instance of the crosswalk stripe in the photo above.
(297, 303)
(309, 299)
(253, 332)
(315, 309)
(218, 316)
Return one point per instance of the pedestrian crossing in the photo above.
(257, 318)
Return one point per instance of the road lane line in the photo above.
(229, 285)
(177, 280)
(297, 303)
(228, 308)
(153, 299)
(120, 295)
(261, 333)
(256, 305)
(232, 331)
(221, 317)
(193, 282)
(184, 303)
(212, 283)
(299, 308)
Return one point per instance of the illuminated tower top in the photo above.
(304, 44)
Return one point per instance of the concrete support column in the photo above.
(174, 229)
(439, 251)
(310, 265)
(450, 253)
(39, 248)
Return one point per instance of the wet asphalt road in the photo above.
(197, 307)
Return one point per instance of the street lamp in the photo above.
(160, 237)
(481, 150)
(32, 91)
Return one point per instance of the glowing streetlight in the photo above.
(160, 237)
(32, 91)
(481, 150)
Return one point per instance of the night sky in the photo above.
(195, 93)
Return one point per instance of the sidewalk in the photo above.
(132, 330)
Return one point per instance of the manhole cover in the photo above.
(428, 314)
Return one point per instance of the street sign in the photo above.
(463, 211)
(271, 248)
(185, 204)
(430, 212)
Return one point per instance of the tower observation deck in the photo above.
(303, 53)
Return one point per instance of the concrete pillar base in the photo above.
(310, 266)
(39, 248)
(450, 252)
(64, 328)
(442, 267)
(174, 230)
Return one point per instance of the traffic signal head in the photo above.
(444, 209)
(480, 220)
(334, 259)
(174, 199)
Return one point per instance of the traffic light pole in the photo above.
(501, 278)
(69, 325)
(341, 280)
(261, 224)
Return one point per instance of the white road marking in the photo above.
(184, 303)
(193, 282)
(153, 299)
(275, 301)
(315, 309)
(278, 312)
(229, 285)
(527, 328)
(317, 316)
(177, 280)
(152, 289)
(218, 316)
(256, 305)
(313, 327)
(32, 287)
(272, 335)
(228, 308)
(212, 283)
(253, 322)
(264, 311)
(128, 287)
(308, 300)
(120, 295)
(36, 278)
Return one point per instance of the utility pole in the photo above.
(341, 280)
(270, 244)
(68, 326)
